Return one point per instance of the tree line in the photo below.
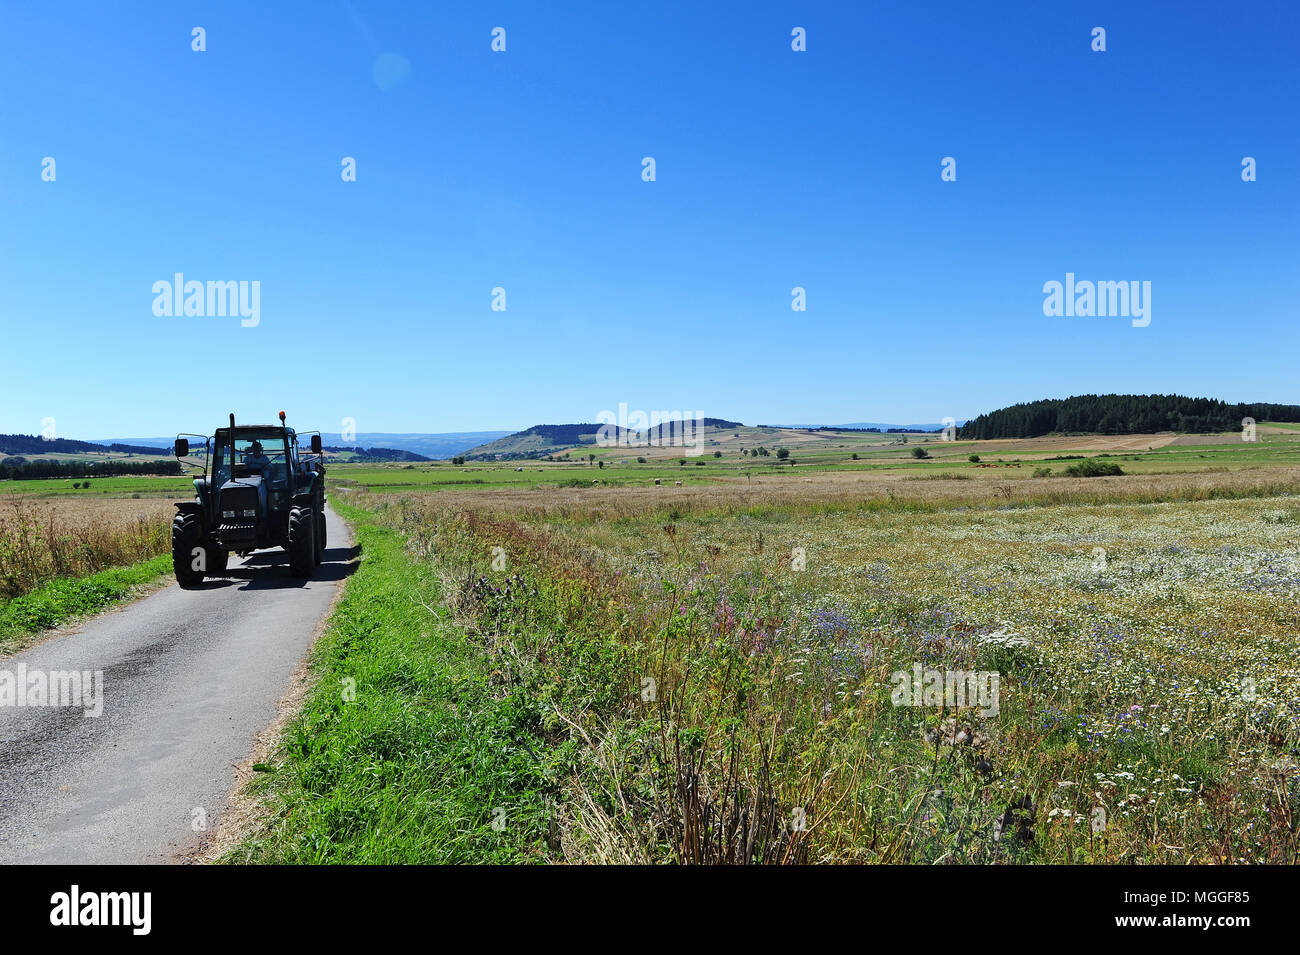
(1120, 414)
(17, 469)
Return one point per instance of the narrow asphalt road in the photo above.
(190, 677)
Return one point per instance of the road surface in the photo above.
(190, 677)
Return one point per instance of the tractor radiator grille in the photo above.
(237, 515)
(230, 534)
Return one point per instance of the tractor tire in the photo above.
(302, 541)
(320, 536)
(218, 561)
(187, 536)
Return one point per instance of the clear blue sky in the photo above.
(523, 170)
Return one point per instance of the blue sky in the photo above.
(522, 169)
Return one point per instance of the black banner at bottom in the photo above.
(134, 904)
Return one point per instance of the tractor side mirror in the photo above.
(315, 444)
(182, 447)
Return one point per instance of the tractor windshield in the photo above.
(256, 453)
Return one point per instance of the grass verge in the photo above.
(60, 601)
(407, 748)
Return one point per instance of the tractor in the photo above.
(259, 489)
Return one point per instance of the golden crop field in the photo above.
(43, 538)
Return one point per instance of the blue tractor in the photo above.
(259, 490)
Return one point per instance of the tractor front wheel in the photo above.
(320, 536)
(302, 541)
(189, 557)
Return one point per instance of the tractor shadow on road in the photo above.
(337, 563)
(269, 570)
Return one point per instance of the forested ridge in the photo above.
(37, 444)
(20, 469)
(1121, 414)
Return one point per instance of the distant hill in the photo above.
(35, 444)
(543, 439)
(1120, 414)
(435, 447)
(374, 455)
(872, 426)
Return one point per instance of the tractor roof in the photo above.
(261, 429)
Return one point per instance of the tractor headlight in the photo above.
(228, 515)
(250, 512)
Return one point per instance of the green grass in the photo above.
(182, 487)
(59, 601)
(432, 749)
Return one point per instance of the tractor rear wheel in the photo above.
(187, 546)
(302, 541)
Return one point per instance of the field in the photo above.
(710, 673)
(619, 670)
(65, 552)
(846, 454)
(44, 538)
(171, 488)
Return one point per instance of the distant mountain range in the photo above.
(426, 446)
(434, 446)
(536, 441)
(373, 455)
(1084, 413)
